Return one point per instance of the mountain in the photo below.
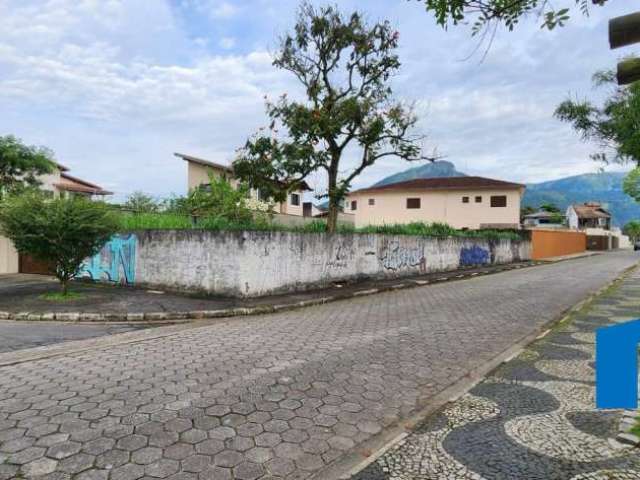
(440, 168)
(605, 187)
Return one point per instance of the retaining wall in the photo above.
(260, 263)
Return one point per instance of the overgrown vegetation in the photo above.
(62, 232)
(21, 165)
(153, 221)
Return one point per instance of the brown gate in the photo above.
(29, 264)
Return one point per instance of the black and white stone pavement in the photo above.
(289, 395)
(532, 418)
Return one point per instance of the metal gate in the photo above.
(28, 264)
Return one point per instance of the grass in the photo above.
(635, 430)
(60, 297)
(166, 221)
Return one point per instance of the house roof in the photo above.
(590, 210)
(219, 166)
(543, 214)
(202, 161)
(75, 184)
(445, 183)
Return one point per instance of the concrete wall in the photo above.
(9, 262)
(556, 243)
(436, 206)
(259, 263)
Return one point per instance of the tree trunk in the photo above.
(332, 216)
(64, 285)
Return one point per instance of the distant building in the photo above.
(544, 219)
(588, 215)
(59, 184)
(462, 202)
(198, 175)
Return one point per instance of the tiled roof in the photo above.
(74, 184)
(591, 210)
(445, 183)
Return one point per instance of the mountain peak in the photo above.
(437, 169)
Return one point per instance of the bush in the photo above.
(63, 232)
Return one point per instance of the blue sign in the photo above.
(617, 365)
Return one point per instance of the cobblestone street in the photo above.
(284, 395)
(533, 418)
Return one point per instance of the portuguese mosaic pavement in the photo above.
(532, 418)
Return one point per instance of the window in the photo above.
(372, 201)
(354, 205)
(498, 200)
(478, 199)
(413, 203)
(295, 199)
(465, 199)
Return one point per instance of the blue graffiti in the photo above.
(116, 262)
(474, 256)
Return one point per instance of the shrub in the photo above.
(63, 232)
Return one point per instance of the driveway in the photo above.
(274, 396)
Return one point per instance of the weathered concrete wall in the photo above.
(9, 260)
(259, 263)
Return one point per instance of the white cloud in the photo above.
(227, 43)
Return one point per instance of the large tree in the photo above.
(345, 65)
(484, 13)
(21, 165)
(614, 126)
(62, 232)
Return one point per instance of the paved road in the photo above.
(533, 418)
(20, 335)
(276, 396)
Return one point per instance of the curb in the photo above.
(185, 317)
(369, 451)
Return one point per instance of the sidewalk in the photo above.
(20, 298)
(532, 418)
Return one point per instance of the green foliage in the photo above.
(219, 199)
(63, 232)
(344, 65)
(482, 13)
(141, 203)
(152, 221)
(614, 126)
(631, 184)
(20, 165)
(549, 207)
(632, 230)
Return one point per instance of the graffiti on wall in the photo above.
(116, 262)
(474, 255)
(340, 258)
(396, 257)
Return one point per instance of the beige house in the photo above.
(61, 184)
(198, 171)
(462, 202)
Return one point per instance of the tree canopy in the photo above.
(344, 65)
(21, 165)
(614, 126)
(62, 231)
(482, 13)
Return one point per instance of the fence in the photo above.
(556, 243)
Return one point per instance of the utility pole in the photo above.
(625, 31)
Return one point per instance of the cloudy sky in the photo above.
(114, 87)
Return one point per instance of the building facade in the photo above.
(461, 202)
(60, 183)
(198, 171)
